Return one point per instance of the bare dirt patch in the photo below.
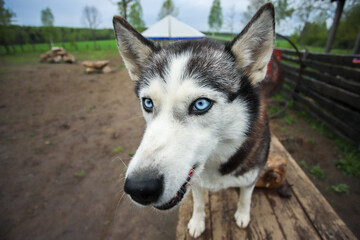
(59, 176)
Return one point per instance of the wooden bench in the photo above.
(306, 215)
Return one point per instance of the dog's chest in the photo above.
(211, 178)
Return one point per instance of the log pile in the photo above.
(57, 55)
(97, 66)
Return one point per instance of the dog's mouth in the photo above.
(179, 195)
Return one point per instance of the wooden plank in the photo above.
(291, 217)
(324, 89)
(334, 70)
(290, 52)
(263, 224)
(349, 85)
(185, 213)
(346, 115)
(335, 59)
(323, 217)
(291, 59)
(331, 120)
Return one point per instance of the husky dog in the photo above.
(206, 119)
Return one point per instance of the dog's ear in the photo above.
(254, 45)
(133, 47)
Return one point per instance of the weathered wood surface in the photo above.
(306, 215)
(336, 59)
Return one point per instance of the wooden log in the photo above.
(349, 85)
(291, 59)
(337, 123)
(334, 70)
(106, 69)
(323, 217)
(95, 64)
(69, 58)
(335, 59)
(348, 116)
(324, 89)
(323, 117)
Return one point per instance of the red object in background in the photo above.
(274, 76)
(278, 55)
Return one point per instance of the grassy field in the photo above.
(104, 49)
(70, 47)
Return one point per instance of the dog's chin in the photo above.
(175, 200)
(180, 194)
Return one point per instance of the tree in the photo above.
(230, 19)
(92, 19)
(47, 20)
(135, 16)
(349, 27)
(6, 18)
(168, 8)
(331, 37)
(215, 19)
(283, 10)
(124, 6)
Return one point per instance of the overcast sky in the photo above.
(69, 12)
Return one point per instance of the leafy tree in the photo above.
(215, 19)
(92, 19)
(314, 33)
(47, 20)
(230, 19)
(136, 16)
(283, 10)
(349, 28)
(168, 8)
(6, 34)
(124, 6)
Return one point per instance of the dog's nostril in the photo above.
(144, 190)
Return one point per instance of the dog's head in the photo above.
(199, 101)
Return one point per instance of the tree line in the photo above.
(310, 17)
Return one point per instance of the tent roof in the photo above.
(169, 28)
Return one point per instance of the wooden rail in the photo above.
(329, 88)
(306, 215)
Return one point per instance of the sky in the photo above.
(69, 12)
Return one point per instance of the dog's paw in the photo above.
(196, 227)
(242, 219)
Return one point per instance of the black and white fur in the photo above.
(225, 146)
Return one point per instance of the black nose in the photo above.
(144, 188)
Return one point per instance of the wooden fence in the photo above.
(328, 89)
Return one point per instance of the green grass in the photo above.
(311, 140)
(131, 154)
(117, 150)
(303, 164)
(317, 172)
(80, 174)
(82, 46)
(349, 159)
(340, 188)
(289, 120)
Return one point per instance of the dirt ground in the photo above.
(59, 177)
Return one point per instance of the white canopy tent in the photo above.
(169, 28)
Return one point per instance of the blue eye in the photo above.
(148, 104)
(201, 105)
